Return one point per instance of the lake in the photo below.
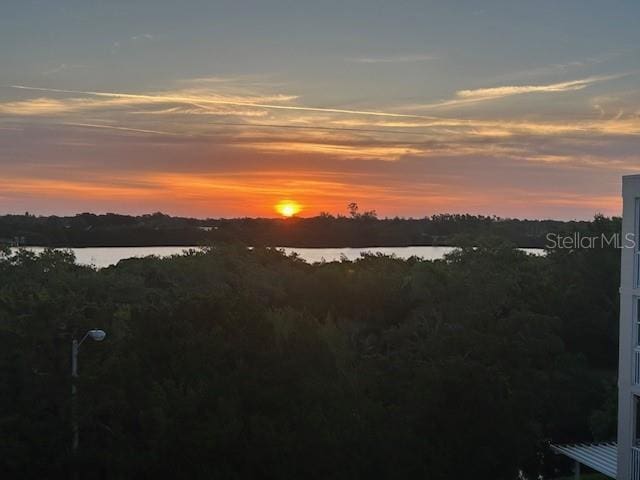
(101, 257)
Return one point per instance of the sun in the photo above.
(288, 208)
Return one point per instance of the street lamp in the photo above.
(98, 336)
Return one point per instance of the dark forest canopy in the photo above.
(353, 230)
(239, 363)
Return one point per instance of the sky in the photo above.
(409, 108)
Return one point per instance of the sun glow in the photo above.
(288, 208)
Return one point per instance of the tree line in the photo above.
(355, 229)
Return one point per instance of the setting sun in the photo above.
(288, 208)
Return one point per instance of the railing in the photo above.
(635, 463)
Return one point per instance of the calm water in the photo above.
(104, 256)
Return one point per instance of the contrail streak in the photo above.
(190, 100)
(248, 125)
(307, 127)
(126, 129)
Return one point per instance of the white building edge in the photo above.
(629, 346)
(622, 461)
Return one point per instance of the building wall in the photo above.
(629, 293)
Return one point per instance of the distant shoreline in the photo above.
(101, 257)
(357, 231)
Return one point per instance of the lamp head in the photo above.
(97, 335)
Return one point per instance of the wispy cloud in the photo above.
(509, 90)
(36, 106)
(215, 79)
(470, 96)
(143, 36)
(390, 152)
(618, 125)
(191, 101)
(203, 100)
(241, 83)
(416, 58)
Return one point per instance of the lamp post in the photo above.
(98, 336)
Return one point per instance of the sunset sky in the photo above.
(226, 108)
